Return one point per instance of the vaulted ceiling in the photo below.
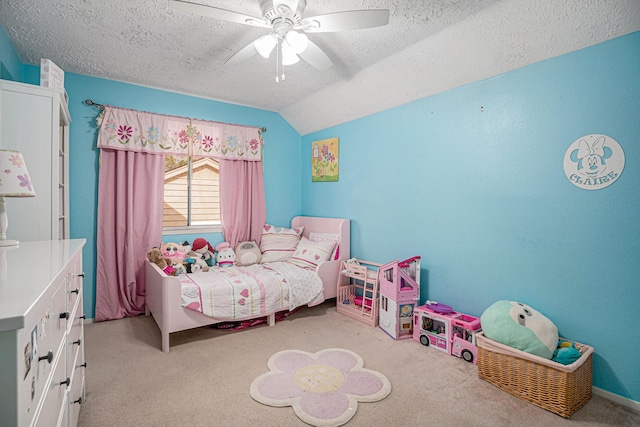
(427, 47)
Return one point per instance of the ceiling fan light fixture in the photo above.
(289, 56)
(264, 45)
(297, 41)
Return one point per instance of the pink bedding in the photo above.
(231, 293)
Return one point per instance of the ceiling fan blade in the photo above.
(316, 57)
(345, 21)
(217, 13)
(247, 52)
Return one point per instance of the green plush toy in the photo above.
(566, 353)
(520, 326)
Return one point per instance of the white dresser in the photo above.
(42, 363)
(35, 120)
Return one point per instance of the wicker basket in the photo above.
(561, 389)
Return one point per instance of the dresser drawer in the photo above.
(53, 407)
(75, 342)
(76, 392)
(74, 283)
(58, 314)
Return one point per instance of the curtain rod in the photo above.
(90, 103)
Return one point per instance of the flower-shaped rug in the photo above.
(323, 388)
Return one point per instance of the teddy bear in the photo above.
(226, 257)
(155, 256)
(247, 253)
(205, 249)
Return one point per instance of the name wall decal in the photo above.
(593, 162)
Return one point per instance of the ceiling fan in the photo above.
(288, 28)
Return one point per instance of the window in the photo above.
(191, 197)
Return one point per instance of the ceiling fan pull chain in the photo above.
(277, 62)
(283, 72)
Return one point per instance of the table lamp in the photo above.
(14, 182)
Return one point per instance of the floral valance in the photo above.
(122, 129)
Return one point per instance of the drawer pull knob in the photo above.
(64, 315)
(77, 342)
(48, 357)
(81, 274)
(84, 316)
(80, 401)
(75, 291)
(66, 382)
(84, 365)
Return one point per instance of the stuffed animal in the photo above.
(174, 251)
(247, 253)
(186, 247)
(205, 249)
(194, 262)
(178, 268)
(566, 353)
(226, 257)
(155, 256)
(520, 326)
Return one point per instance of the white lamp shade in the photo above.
(265, 44)
(14, 177)
(289, 57)
(297, 41)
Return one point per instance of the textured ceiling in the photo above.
(427, 48)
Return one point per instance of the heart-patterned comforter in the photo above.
(230, 293)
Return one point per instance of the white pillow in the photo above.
(315, 236)
(277, 243)
(309, 254)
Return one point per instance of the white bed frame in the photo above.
(163, 299)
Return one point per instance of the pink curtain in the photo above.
(242, 200)
(130, 198)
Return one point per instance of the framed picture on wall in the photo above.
(324, 160)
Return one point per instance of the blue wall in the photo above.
(10, 64)
(472, 180)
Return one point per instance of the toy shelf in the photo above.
(358, 294)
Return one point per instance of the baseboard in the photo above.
(631, 404)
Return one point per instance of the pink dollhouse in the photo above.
(399, 295)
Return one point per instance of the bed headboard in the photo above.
(327, 225)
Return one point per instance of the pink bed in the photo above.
(163, 293)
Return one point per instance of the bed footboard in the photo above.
(163, 303)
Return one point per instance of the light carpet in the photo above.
(323, 388)
(205, 379)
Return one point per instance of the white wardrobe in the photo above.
(35, 120)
